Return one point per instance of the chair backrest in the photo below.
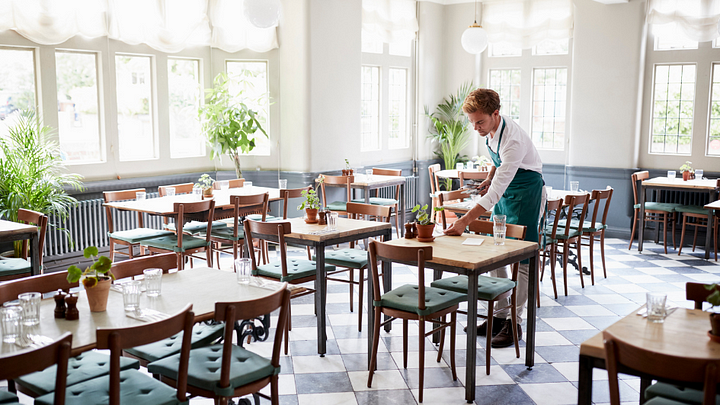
(43, 283)
(135, 267)
(572, 201)
(698, 293)
(600, 198)
(267, 231)
(681, 369)
(345, 180)
(359, 210)
(553, 209)
(199, 210)
(24, 362)
(229, 312)
(248, 204)
(634, 178)
(434, 186)
(120, 195)
(388, 172)
(234, 183)
(471, 175)
(117, 339)
(287, 194)
(38, 219)
(184, 188)
(417, 255)
(444, 197)
(518, 232)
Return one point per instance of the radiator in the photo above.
(679, 197)
(410, 192)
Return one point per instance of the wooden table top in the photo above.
(715, 205)
(374, 181)
(452, 173)
(201, 286)
(684, 334)
(9, 228)
(345, 227)
(164, 205)
(697, 184)
(449, 250)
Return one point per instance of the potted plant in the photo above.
(425, 225)
(311, 204)
(96, 278)
(687, 171)
(714, 300)
(347, 171)
(205, 182)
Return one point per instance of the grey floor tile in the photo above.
(539, 374)
(601, 322)
(554, 354)
(510, 394)
(554, 312)
(309, 347)
(434, 378)
(322, 383)
(359, 362)
(385, 397)
(576, 337)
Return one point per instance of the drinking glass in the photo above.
(656, 307)
(332, 221)
(282, 184)
(247, 184)
(170, 191)
(153, 281)
(548, 190)
(459, 166)
(699, 174)
(499, 229)
(131, 295)
(243, 268)
(574, 186)
(369, 173)
(197, 192)
(671, 174)
(140, 195)
(224, 185)
(30, 304)
(11, 317)
(470, 166)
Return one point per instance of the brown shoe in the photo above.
(505, 337)
(482, 328)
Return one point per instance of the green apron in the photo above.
(521, 200)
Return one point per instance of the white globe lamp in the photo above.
(262, 13)
(474, 39)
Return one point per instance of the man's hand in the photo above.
(484, 186)
(456, 229)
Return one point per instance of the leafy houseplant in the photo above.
(347, 171)
(425, 225)
(228, 125)
(311, 204)
(687, 171)
(96, 278)
(205, 182)
(714, 300)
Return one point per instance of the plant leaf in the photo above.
(74, 274)
(90, 251)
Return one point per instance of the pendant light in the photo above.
(474, 39)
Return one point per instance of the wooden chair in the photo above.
(242, 206)
(434, 189)
(449, 197)
(131, 237)
(25, 362)
(224, 371)
(183, 188)
(698, 293)
(351, 259)
(43, 283)
(337, 206)
(191, 227)
(412, 302)
(490, 289)
(132, 386)
(234, 183)
(134, 267)
(662, 213)
(567, 236)
(700, 217)
(471, 175)
(183, 244)
(549, 241)
(659, 366)
(286, 195)
(389, 202)
(13, 268)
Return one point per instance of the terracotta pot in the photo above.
(715, 324)
(207, 192)
(311, 215)
(424, 232)
(98, 296)
(686, 176)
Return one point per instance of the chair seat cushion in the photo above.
(560, 234)
(136, 388)
(377, 201)
(8, 398)
(195, 226)
(654, 206)
(138, 234)
(692, 209)
(14, 266)
(83, 367)
(258, 217)
(351, 258)
(489, 288)
(663, 391)
(405, 298)
(337, 206)
(227, 233)
(202, 335)
(170, 243)
(665, 401)
(297, 269)
(205, 366)
(599, 226)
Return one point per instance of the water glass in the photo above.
(243, 270)
(131, 295)
(282, 184)
(459, 166)
(30, 304)
(224, 185)
(574, 186)
(548, 190)
(671, 174)
(247, 184)
(699, 174)
(153, 281)
(170, 191)
(499, 229)
(656, 307)
(332, 221)
(140, 195)
(470, 166)
(369, 173)
(197, 192)
(11, 318)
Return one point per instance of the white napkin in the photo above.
(473, 242)
(147, 315)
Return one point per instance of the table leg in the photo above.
(387, 281)
(320, 296)
(371, 313)
(437, 275)
(584, 380)
(35, 254)
(708, 233)
(401, 209)
(641, 231)
(531, 312)
(471, 352)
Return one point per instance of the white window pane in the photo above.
(716, 43)
(398, 137)
(186, 140)
(371, 44)
(17, 85)
(713, 144)
(370, 114)
(506, 82)
(503, 49)
(668, 37)
(551, 47)
(549, 108)
(78, 119)
(136, 134)
(673, 101)
(250, 80)
(401, 48)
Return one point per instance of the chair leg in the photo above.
(592, 261)
(442, 341)
(673, 222)
(513, 320)
(488, 334)
(111, 244)
(578, 245)
(361, 280)
(565, 260)
(421, 325)
(682, 235)
(602, 251)
(351, 277)
(665, 222)
(274, 397)
(632, 233)
(697, 225)
(208, 256)
(180, 261)
(397, 222)
(553, 260)
(453, 328)
(376, 341)
(405, 342)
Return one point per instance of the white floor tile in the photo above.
(414, 360)
(549, 339)
(655, 271)
(645, 279)
(497, 376)
(590, 310)
(442, 396)
(334, 398)
(626, 288)
(551, 393)
(286, 386)
(574, 323)
(308, 334)
(355, 346)
(668, 263)
(317, 364)
(605, 299)
(382, 380)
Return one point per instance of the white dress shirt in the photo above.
(516, 152)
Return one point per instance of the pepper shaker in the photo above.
(409, 234)
(71, 313)
(60, 304)
(321, 218)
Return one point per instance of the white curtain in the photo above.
(695, 19)
(166, 25)
(389, 20)
(526, 23)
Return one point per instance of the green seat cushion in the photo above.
(352, 258)
(489, 288)
(8, 398)
(14, 266)
(202, 335)
(83, 367)
(654, 206)
(665, 401)
(692, 209)
(675, 393)
(546, 240)
(405, 298)
(136, 388)
(195, 226)
(227, 233)
(560, 234)
(138, 234)
(258, 217)
(170, 242)
(337, 206)
(205, 366)
(599, 226)
(377, 201)
(297, 269)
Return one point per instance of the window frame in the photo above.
(201, 103)
(35, 50)
(652, 110)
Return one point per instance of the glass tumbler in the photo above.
(332, 221)
(671, 174)
(247, 184)
(131, 295)
(499, 229)
(140, 195)
(224, 185)
(170, 191)
(699, 174)
(30, 304)
(11, 317)
(574, 186)
(282, 184)
(153, 282)
(243, 270)
(656, 307)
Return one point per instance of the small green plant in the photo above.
(687, 167)
(481, 159)
(205, 182)
(714, 298)
(422, 216)
(311, 200)
(99, 270)
(347, 164)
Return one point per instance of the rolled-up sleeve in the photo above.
(511, 155)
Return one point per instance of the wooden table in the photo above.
(312, 235)
(201, 286)
(12, 231)
(453, 173)
(664, 183)
(684, 334)
(449, 254)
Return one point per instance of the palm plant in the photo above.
(32, 174)
(450, 128)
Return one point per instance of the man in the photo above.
(513, 188)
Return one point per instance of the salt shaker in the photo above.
(321, 218)
(409, 234)
(71, 313)
(60, 304)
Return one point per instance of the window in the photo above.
(549, 95)
(397, 115)
(668, 38)
(506, 82)
(713, 146)
(370, 115)
(78, 112)
(250, 78)
(400, 48)
(371, 44)
(716, 43)
(672, 116)
(136, 134)
(551, 47)
(184, 90)
(501, 49)
(17, 84)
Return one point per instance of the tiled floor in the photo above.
(340, 377)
